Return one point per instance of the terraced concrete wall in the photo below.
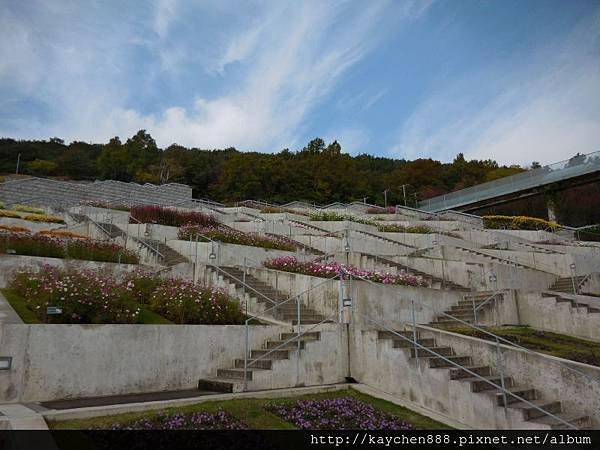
(70, 361)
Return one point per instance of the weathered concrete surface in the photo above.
(578, 393)
(69, 361)
(545, 313)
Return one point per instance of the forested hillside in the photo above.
(319, 172)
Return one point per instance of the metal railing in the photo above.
(501, 387)
(496, 337)
(297, 337)
(570, 168)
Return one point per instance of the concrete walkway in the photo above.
(7, 313)
(21, 417)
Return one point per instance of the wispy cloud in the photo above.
(546, 110)
(290, 55)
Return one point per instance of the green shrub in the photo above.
(589, 234)
(421, 229)
(336, 217)
(28, 209)
(518, 223)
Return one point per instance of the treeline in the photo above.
(319, 172)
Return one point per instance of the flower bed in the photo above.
(91, 297)
(14, 229)
(9, 214)
(336, 217)
(219, 420)
(170, 216)
(518, 223)
(330, 270)
(106, 205)
(64, 247)
(343, 413)
(232, 236)
(184, 302)
(85, 297)
(422, 229)
(63, 234)
(32, 218)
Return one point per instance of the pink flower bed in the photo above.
(231, 236)
(331, 269)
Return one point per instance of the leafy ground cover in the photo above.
(554, 344)
(518, 223)
(232, 236)
(336, 217)
(331, 269)
(257, 413)
(405, 229)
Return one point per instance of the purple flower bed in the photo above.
(232, 236)
(219, 420)
(343, 413)
(331, 269)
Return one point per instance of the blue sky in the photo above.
(515, 81)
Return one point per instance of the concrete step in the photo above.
(219, 385)
(266, 364)
(389, 335)
(436, 362)
(401, 343)
(578, 420)
(457, 373)
(478, 384)
(524, 392)
(236, 374)
(443, 351)
(310, 336)
(292, 345)
(530, 412)
(271, 354)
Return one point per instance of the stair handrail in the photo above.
(368, 233)
(145, 242)
(243, 283)
(489, 333)
(294, 338)
(582, 282)
(504, 391)
(298, 325)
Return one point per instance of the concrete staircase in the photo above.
(384, 239)
(432, 280)
(582, 306)
(231, 379)
(464, 309)
(565, 284)
(169, 256)
(287, 312)
(492, 258)
(530, 416)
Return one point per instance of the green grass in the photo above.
(18, 304)
(554, 344)
(252, 412)
(147, 317)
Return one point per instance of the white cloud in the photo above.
(291, 56)
(545, 111)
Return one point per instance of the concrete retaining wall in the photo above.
(69, 361)
(577, 393)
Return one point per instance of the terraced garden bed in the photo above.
(341, 409)
(560, 345)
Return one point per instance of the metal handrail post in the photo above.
(414, 321)
(246, 355)
(298, 333)
(500, 365)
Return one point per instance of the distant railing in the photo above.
(569, 168)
